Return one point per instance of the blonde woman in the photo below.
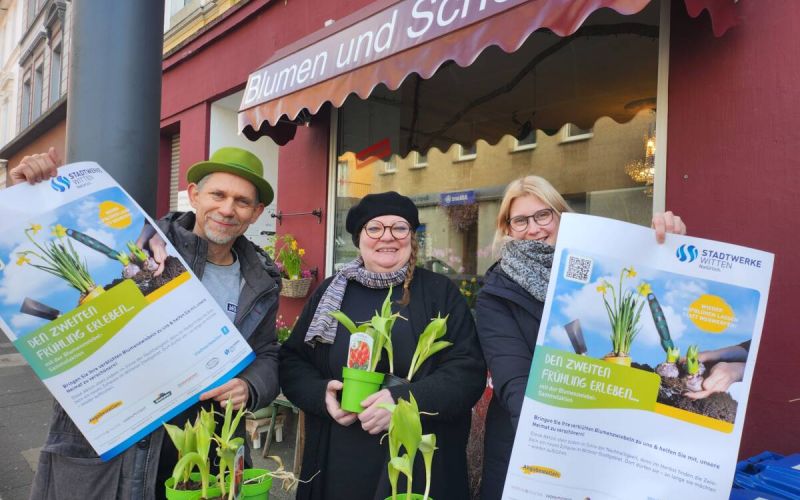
(509, 308)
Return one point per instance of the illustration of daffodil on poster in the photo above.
(59, 261)
(640, 335)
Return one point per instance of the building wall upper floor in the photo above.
(10, 31)
(44, 58)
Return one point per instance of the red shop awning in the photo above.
(388, 40)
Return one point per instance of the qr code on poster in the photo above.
(578, 269)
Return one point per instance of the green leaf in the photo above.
(344, 320)
(427, 446)
(177, 437)
(407, 426)
(401, 464)
(386, 308)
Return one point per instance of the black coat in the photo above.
(448, 384)
(508, 323)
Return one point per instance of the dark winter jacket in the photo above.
(508, 323)
(448, 384)
(68, 466)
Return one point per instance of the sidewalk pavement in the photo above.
(25, 409)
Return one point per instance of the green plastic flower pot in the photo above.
(255, 490)
(358, 386)
(173, 494)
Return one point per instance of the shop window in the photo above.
(55, 74)
(604, 75)
(572, 133)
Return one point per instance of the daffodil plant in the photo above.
(624, 311)
(58, 257)
(290, 257)
(405, 431)
(379, 328)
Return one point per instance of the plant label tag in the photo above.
(238, 473)
(359, 356)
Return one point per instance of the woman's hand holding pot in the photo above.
(375, 420)
(334, 408)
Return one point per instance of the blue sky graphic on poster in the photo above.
(675, 293)
(20, 281)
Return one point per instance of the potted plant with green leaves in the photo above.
(289, 258)
(193, 448)
(256, 483)
(405, 440)
(367, 343)
(624, 313)
(428, 344)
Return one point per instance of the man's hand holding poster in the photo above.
(122, 341)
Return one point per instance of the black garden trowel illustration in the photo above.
(575, 335)
(35, 308)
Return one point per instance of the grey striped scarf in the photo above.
(323, 325)
(528, 262)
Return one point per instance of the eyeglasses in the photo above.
(541, 218)
(398, 230)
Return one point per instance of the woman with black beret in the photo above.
(344, 449)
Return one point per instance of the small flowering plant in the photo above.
(289, 258)
(624, 311)
(282, 329)
(58, 257)
(469, 289)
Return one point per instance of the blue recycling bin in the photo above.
(767, 475)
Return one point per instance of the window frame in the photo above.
(516, 146)
(567, 137)
(462, 156)
(416, 163)
(26, 87)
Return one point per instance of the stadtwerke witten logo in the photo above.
(686, 253)
(60, 183)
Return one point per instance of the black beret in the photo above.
(375, 205)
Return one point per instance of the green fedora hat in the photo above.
(234, 161)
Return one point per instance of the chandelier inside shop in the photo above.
(643, 170)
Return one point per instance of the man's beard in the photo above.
(220, 237)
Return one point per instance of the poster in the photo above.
(626, 326)
(122, 350)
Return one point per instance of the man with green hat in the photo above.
(228, 193)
